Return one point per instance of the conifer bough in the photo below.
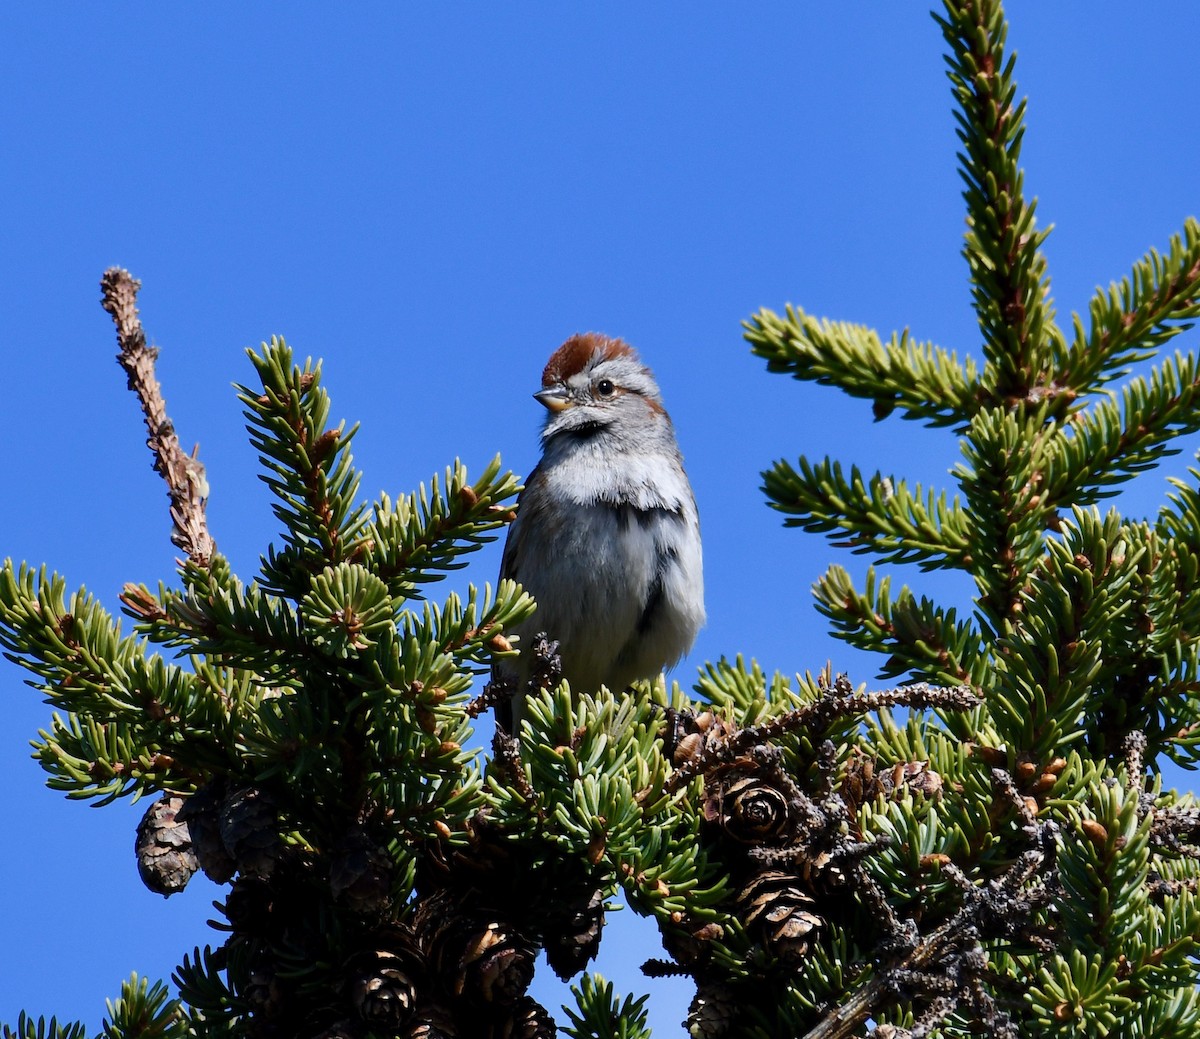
(1000, 859)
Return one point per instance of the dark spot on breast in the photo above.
(654, 598)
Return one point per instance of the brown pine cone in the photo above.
(250, 830)
(573, 932)
(864, 780)
(433, 1022)
(201, 813)
(772, 905)
(472, 954)
(165, 859)
(712, 1011)
(528, 1020)
(688, 735)
(360, 875)
(748, 806)
(249, 906)
(383, 992)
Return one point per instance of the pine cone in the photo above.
(250, 830)
(360, 875)
(712, 1011)
(528, 1020)
(689, 734)
(200, 812)
(166, 861)
(748, 806)
(819, 870)
(863, 782)
(858, 785)
(249, 906)
(489, 862)
(474, 955)
(573, 933)
(496, 964)
(918, 776)
(263, 993)
(433, 1022)
(772, 904)
(689, 943)
(383, 992)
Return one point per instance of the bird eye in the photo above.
(605, 388)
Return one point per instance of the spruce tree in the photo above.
(983, 848)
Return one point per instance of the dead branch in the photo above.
(948, 965)
(840, 701)
(187, 487)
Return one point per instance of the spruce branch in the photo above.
(1175, 829)
(29, 1028)
(915, 635)
(880, 516)
(218, 613)
(1009, 281)
(1134, 749)
(145, 1011)
(500, 690)
(600, 1013)
(123, 732)
(1104, 869)
(1026, 812)
(309, 468)
(187, 486)
(1178, 524)
(420, 537)
(1112, 442)
(1001, 479)
(1079, 641)
(1130, 321)
(927, 383)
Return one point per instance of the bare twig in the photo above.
(1135, 770)
(186, 484)
(1004, 783)
(1176, 830)
(499, 690)
(506, 753)
(949, 963)
(1160, 887)
(845, 1019)
(840, 701)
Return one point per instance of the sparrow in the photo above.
(606, 537)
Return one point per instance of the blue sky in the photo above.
(431, 198)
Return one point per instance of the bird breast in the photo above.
(617, 585)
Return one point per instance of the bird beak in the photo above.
(554, 400)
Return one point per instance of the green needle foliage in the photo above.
(1081, 641)
(984, 849)
(600, 1005)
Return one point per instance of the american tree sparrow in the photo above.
(606, 538)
